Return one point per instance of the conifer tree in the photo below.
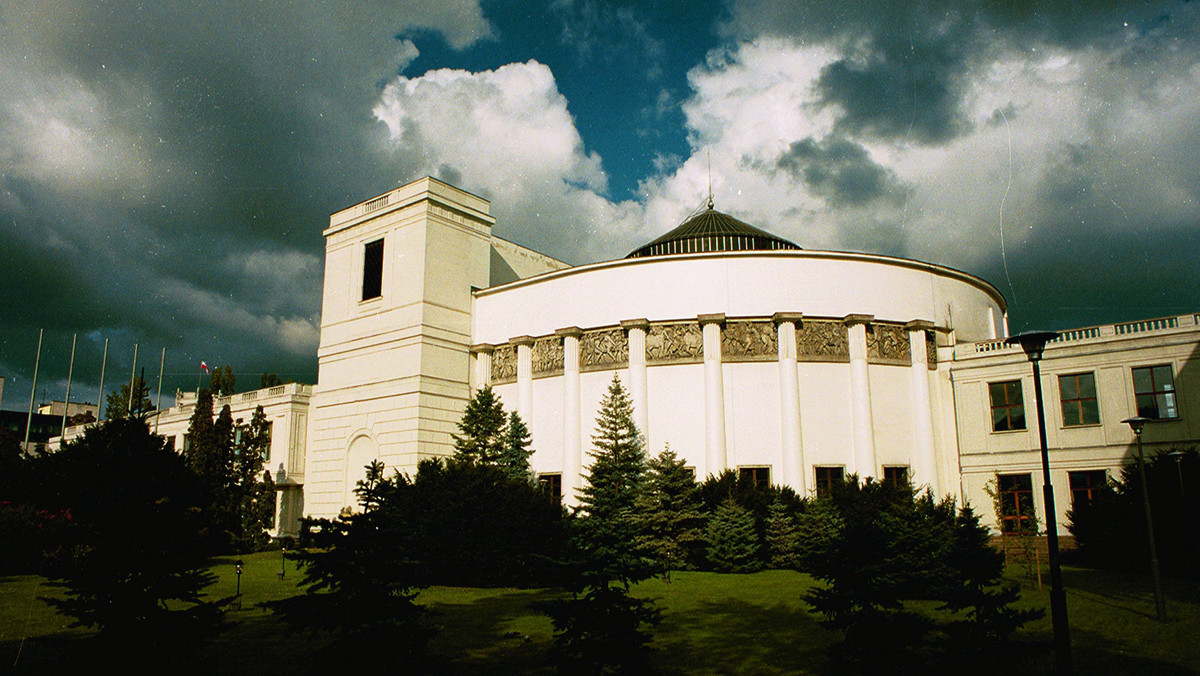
(362, 575)
(669, 514)
(481, 428)
(618, 459)
(116, 404)
(600, 628)
(732, 540)
(783, 538)
(514, 449)
(254, 487)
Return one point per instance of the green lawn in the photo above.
(712, 624)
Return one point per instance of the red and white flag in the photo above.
(204, 367)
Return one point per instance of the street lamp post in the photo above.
(1160, 606)
(1034, 344)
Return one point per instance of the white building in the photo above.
(739, 349)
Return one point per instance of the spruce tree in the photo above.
(362, 573)
(600, 628)
(481, 428)
(618, 459)
(669, 515)
(514, 449)
(783, 538)
(733, 545)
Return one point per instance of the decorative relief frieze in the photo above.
(547, 356)
(749, 341)
(603, 349)
(888, 343)
(504, 364)
(931, 349)
(822, 340)
(674, 343)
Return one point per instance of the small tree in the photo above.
(117, 402)
(131, 561)
(481, 428)
(783, 538)
(600, 629)
(669, 515)
(221, 381)
(514, 449)
(362, 577)
(732, 541)
(253, 487)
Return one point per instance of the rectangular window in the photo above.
(372, 281)
(551, 484)
(827, 478)
(761, 476)
(1008, 407)
(1016, 503)
(1078, 395)
(895, 475)
(1155, 390)
(1085, 484)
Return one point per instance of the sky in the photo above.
(167, 168)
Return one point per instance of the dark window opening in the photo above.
(1079, 403)
(827, 478)
(372, 284)
(1155, 390)
(1008, 407)
(761, 476)
(1016, 503)
(1085, 485)
(895, 476)
(551, 484)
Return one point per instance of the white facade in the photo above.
(793, 365)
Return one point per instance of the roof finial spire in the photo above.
(708, 153)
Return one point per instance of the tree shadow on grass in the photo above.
(502, 632)
(736, 637)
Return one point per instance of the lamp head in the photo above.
(1136, 424)
(1033, 342)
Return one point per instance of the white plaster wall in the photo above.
(742, 284)
(675, 401)
(892, 416)
(752, 433)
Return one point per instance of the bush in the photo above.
(1110, 531)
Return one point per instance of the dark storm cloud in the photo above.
(166, 170)
(905, 67)
(838, 169)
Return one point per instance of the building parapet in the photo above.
(1160, 325)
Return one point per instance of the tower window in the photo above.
(372, 283)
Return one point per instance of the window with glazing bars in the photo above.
(1154, 388)
(1078, 395)
(1008, 407)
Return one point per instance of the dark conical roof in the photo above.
(711, 230)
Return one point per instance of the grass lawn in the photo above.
(712, 624)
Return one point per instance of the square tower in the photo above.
(394, 357)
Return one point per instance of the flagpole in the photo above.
(67, 397)
(158, 404)
(100, 395)
(32, 393)
(132, 376)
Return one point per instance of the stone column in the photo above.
(860, 397)
(524, 378)
(572, 467)
(483, 365)
(923, 459)
(791, 461)
(636, 329)
(714, 396)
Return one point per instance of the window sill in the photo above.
(1020, 431)
(1084, 426)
